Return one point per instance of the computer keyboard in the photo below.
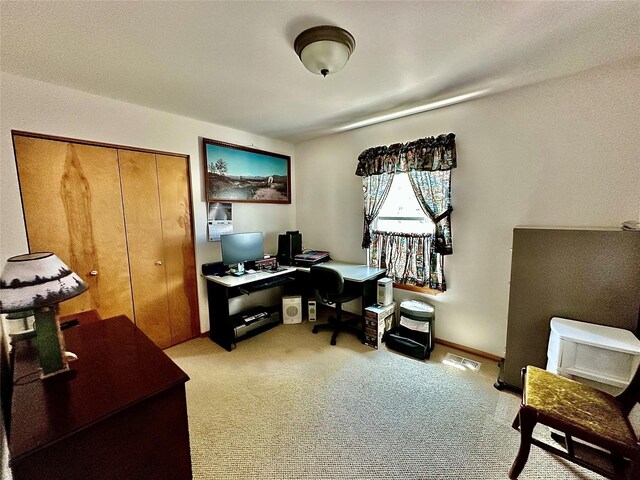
(270, 281)
(267, 283)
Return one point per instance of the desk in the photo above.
(363, 275)
(231, 281)
(352, 272)
(120, 412)
(222, 288)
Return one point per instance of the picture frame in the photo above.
(234, 173)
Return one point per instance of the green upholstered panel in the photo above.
(577, 405)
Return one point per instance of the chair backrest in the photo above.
(631, 395)
(327, 281)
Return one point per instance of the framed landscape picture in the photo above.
(244, 174)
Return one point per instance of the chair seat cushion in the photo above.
(579, 406)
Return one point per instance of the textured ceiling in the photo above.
(233, 63)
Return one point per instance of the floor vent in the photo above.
(461, 362)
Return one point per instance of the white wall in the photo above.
(564, 152)
(561, 153)
(39, 107)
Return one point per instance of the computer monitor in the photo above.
(238, 248)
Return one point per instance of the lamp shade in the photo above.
(325, 49)
(36, 280)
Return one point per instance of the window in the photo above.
(401, 211)
(401, 182)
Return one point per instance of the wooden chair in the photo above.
(579, 411)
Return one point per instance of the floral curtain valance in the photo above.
(424, 154)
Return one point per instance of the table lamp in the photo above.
(39, 281)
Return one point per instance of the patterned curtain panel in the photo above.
(409, 258)
(425, 154)
(375, 190)
(433, 191)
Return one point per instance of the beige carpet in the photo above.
(287, 405)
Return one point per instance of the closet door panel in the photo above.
(173, 183)
(73, 207)
(144, 236)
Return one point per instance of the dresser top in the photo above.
(117, 366)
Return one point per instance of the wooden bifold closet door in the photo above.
(158, 226)
(122, 220)
(73, 208)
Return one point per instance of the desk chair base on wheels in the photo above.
(580, 411)
(332, 289)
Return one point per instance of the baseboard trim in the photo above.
(463, 348)
(446, 343)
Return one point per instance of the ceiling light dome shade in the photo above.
(325, 49)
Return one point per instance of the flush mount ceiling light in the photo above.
(325, 49)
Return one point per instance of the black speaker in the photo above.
(215, 268)
(289, 245)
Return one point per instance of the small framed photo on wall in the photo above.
(219, 220)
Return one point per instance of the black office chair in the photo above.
(332, 289)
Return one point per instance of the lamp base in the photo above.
(50, 342)
(53, 374)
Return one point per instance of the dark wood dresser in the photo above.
(120, 413)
